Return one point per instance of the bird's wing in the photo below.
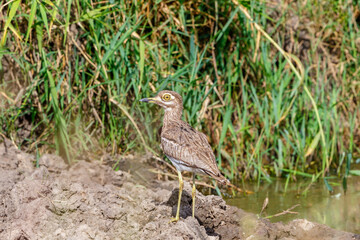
(189, 147)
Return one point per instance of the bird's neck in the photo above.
(172, 114)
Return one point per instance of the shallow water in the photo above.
(337, 210)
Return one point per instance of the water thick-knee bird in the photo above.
(187, 148)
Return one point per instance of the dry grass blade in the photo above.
(265, 204)
(287, 211)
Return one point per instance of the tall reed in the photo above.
(273, 102)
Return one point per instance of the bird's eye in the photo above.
(166, 97)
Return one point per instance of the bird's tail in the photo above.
(222, 180)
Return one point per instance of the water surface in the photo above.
(337, 210)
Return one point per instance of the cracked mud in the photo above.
(91, 201)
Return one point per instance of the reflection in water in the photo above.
(335, 209)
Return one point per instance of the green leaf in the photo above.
(345, 184)
(13, 8)
(328, 185)
(111, 51)
(31, 18)
(44, 18)
(348, 162)
(96, 13)
(39, 35)
(142, 59)
(226, 123)
(67, 20)
(12, 28)
(355, 172)
(313, 145)
(48, 2)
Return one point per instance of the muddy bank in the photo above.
(91, 201)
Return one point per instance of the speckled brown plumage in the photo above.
(187, 148)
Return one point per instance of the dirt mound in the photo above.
(91, 201)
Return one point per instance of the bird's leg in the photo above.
(181, 185)
(193, 193)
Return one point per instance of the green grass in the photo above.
(81, 67)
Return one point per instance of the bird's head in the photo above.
(169, 100)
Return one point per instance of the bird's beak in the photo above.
(150, 100)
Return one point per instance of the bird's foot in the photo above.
(176, 219)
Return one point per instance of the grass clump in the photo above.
(278, 105)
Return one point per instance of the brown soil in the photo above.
(91, 201)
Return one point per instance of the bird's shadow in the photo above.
(185, 206)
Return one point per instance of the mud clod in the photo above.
(91, 201)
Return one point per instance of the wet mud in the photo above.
(91, 201)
